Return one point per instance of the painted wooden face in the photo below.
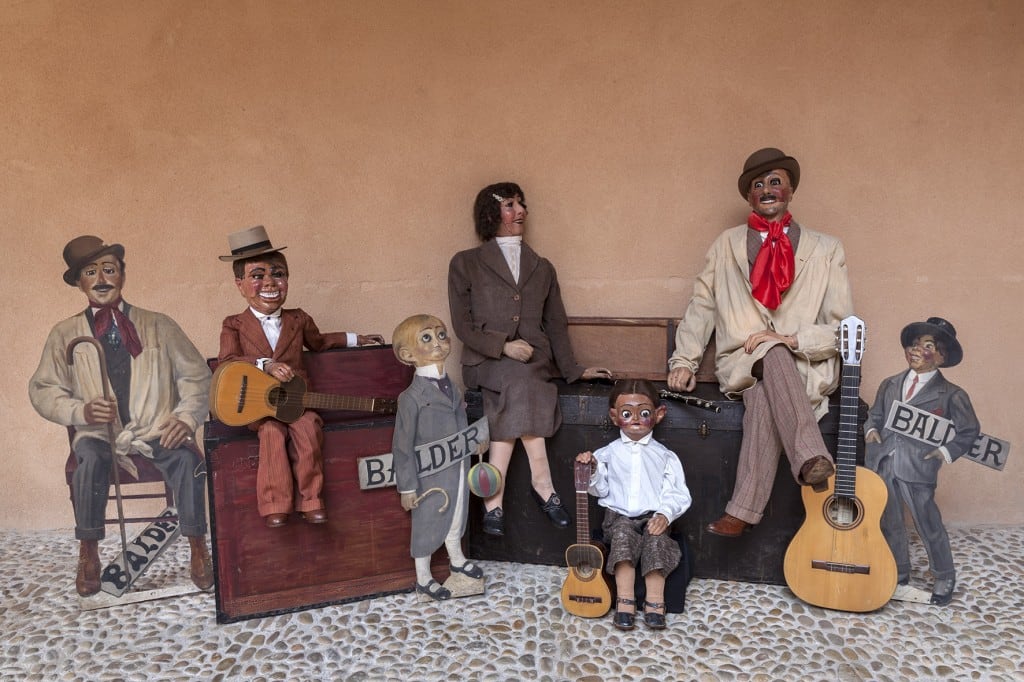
(923, 354)
(636, 415)
(770, 194)
(430, 346)
(513, 217)
(264, 286)
(102, 281)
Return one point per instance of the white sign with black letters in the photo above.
(376, 471)
(934, 430)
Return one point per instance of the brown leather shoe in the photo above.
(88, 580)
(201, 566)
(728, 526)
(276, 520)
(816, 471)
(315, 516)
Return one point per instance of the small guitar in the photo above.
(585, 592)
(240, 393)
(839, 558)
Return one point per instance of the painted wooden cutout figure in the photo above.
(641, 485)
(160, 385)
(909, 467)
(272, 338)
(429, 410)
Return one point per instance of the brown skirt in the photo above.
(519, 397)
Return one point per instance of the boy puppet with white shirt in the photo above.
(641, 485)
(909, 467)
(272, 338)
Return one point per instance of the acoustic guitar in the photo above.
(839, 558)
(585, 592)
(240, 393)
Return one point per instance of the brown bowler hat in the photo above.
(83, 250)
(942, 331)
(764, 160)
(250, 242)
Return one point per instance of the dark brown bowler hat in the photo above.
(83, 250)
(942, 331)
(764, 160)
(250, 242)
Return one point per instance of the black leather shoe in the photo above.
(942, 591)
(623, 620)
(494, 522)
(653, 619)
(554, 509)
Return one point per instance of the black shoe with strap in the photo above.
(623, 620)
(554, 509)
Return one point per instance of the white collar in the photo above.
(629, 441)
(260, 316)
(516, 240)
(430, 372)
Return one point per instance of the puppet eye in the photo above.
(626, 414)
(645, 414)
(442, 335)
(425, 338)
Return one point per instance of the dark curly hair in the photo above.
(487, 209)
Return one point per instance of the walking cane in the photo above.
(105, 380)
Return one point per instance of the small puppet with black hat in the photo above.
(773, 292)
(272, 337)
(909, 467)
(160, 385)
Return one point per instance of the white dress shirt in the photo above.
(636, 477)
(512, 249)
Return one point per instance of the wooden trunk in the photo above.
(361, 552)
(707, 444)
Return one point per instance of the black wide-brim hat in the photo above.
(764, 160)
(83, 250)
(940, 330)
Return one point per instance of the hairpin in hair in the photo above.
(498, 198)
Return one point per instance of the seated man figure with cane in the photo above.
(160, 385)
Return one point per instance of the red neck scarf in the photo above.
(772, 273)
(105, 315)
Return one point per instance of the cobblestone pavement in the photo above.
(518, 631)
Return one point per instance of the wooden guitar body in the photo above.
(839, 558)
(240, 394)
(585, 592)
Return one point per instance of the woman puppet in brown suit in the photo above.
(507, 311)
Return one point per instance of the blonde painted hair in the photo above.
(405, 333)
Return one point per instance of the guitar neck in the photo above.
(582, 518)
(325, 401)
(846, 450)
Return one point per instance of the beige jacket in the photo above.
(169, 377)
(812, 308)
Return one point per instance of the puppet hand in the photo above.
(934, 454)
(518, 350)
(175, 432)
(587, 458)
(100, 411)
(369, 339)
(280, 371)
(757, 338)
(596, 373)
(658, 524)
(682, 379)
(872, 437)
(409, 501)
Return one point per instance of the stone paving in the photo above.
(518, 631)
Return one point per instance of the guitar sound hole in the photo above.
(586, 561)
(844, 512)
(275, 396)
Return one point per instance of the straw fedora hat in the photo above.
(250, 242)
